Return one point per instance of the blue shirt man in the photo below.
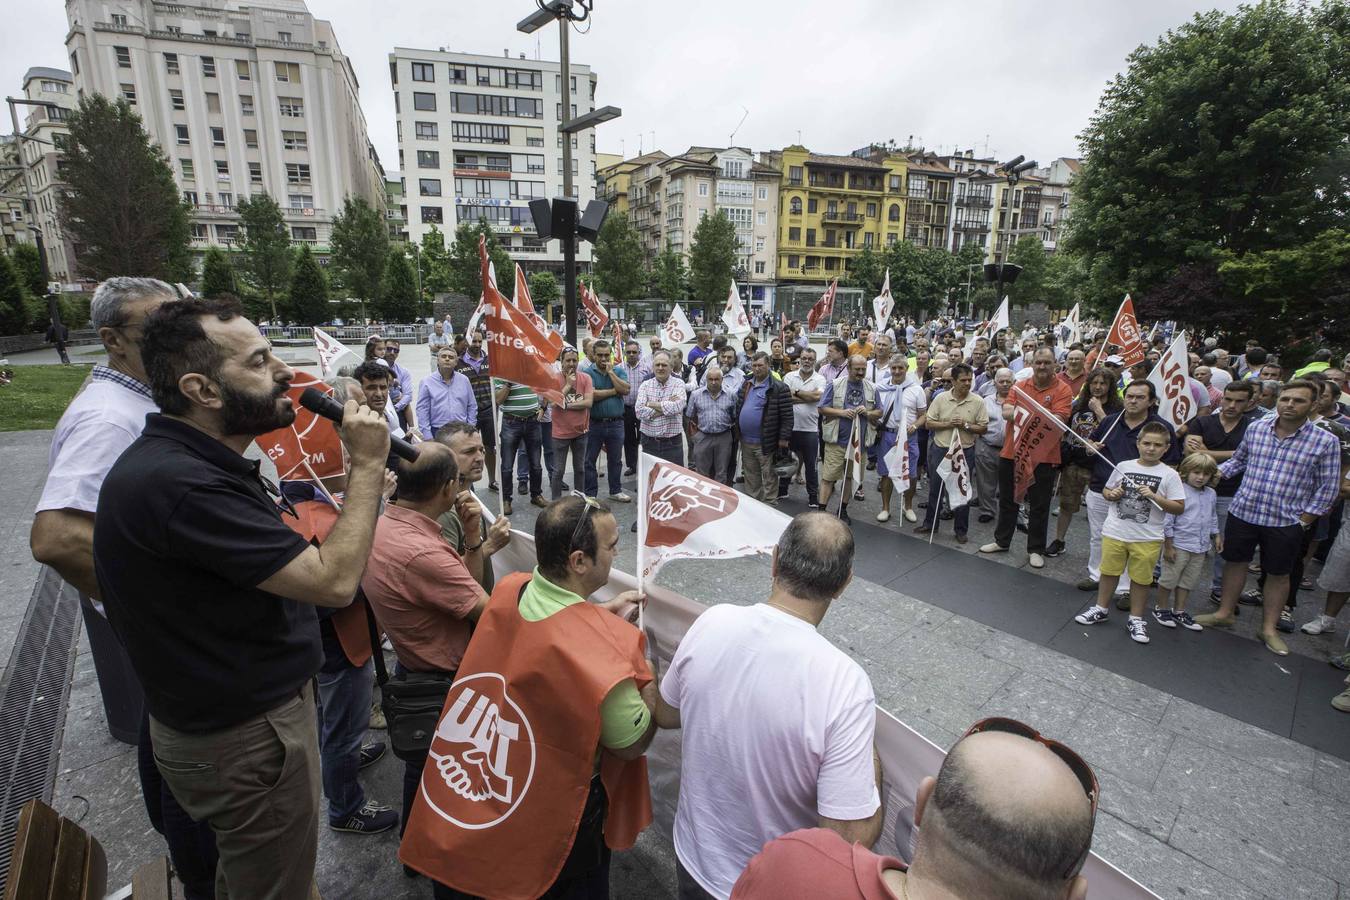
(752, 411)
(445, 396)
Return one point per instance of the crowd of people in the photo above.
(254, 615)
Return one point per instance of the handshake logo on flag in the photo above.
(680, 503)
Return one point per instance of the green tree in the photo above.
(1296, 292)
(544, 290)
(918, 278)
(712, 258)
(618, 259)
(28, 264)
(867, 272)
(15, 312)
(1029, 253)
(1228, 135)
(267, 255)
(120, 203)
(217, 273)
(398, 298)
(309, 290)
(435, 263)
(670, 278)
(360, 245)
(465, 269)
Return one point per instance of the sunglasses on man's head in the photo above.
(1077, 765)
(592, 504)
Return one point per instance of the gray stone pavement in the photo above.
(1194, 803)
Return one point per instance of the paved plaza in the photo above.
(1224, 769)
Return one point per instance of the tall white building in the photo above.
(478, 137)
(44, 131)
(244, 97)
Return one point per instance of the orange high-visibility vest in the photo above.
(511, 762)
(315, 521)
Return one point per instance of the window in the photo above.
(867, 239)
(185, 165)
(429, 187)
(811, 205)
(241, 69)
(208, 32)
(831, 263)
(118, 19)
(294, 140)
(182, 131)
(171, 64)
(199, 232)
(426, 131)
(251, 138)
(871, 210)
(423, 72)
(191, 198)
(794, 174)
(795, 206)
(493, 105)
(304, 233)
(761, 218)
(292, 107)
(222, 170)
(246, 104)
(217, 136)
(894, 213)
(129, 93)
(558, 107)
(458, 75)
(123, 57)
(288, 72)
(284, 37)
(75, 63)
(227, 234)
(425, 102)
(213, 103)
(428, 159)
(895, 184)
(174, 29)
(297, 173)
(794, 234)
(176, 99)
(54, 87)
(793, 260)
(208, 67)
(243, 35)
(703, 188)
(227, 199)
(759, 245)
(255, 173)
(300, 201)
(762, 193)
(891, 238)
(433, 215)
(810, 237)
(759, 268)
(530, 80)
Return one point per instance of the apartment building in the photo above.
(396, 207)
(831, 207)
(1017, 212)
(614, 182)
(972, 199)
(929, 187)
(244, 97)
(1056, 195)
(479, 138)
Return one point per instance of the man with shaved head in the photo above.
(745, 779)
(1008, 817)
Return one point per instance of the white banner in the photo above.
(897, 458)
(734, 313)
(331, 352)
(883, 304)
(677, 329)
(1171, 377)
(1070, 329)
(999, 322)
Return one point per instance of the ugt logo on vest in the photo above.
(484, 754)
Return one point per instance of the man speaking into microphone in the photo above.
(213, 595)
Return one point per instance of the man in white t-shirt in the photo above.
(778, 722)
(1140, 492)
(807, 385)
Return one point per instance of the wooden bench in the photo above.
(55, 859)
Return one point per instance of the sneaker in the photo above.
(629, 471)
(1055, 549)
(493, 486)
(1341, 662)
(1323, 624)
(1087, 584)
(1251, 598)
(506, 507)
(1275, 644)
(1286, 622)
(1036, 561)
(871, 465)
(1122, 601)
(1137, 629)
(782, 495)
(1185, 621)
(812, 504)
(377, 717)
(961, 538)
(522, 488)
(1092, 615)
(371, 753)
(1254, 568)
(739, 479)
(1342, 701)
(859, 495)
(621, 497)
(1305, 583)
(1215, 597)
(993, 547)
(884, 515)
(1166, 618)
(369, 819)
(539, 501)
(1214, 620)
(910, 516)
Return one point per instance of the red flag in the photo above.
(596, 317)
(782, 322)
(824, 307)
(520, 354)
(1125, 334)
(525, 303)
(1035, 440)
(309, 439)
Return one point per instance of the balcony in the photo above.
(975, 201)
(972, 226)
(844, 218)
(298, 212)
(919, 193)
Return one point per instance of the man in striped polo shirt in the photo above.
(520, 425)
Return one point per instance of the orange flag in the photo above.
(596, 317)
(520, 354)
(823, 307)
(1125, 334)
(525, 303)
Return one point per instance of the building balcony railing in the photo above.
(975, 201)
(972, 226)
(918, 193)
(794, 182)
(847, 218)
(305, 212)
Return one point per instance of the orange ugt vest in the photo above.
(511, 762)
(315, 521)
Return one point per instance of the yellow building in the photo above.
(614, 177)
(1017, 212)
(831, 207)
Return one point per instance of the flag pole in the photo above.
(642, 506)
(496, 433)
(942, 489)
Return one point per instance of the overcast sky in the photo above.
(838, 74)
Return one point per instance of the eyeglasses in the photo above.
(1081, 770)
(393, 350)
(591, 504)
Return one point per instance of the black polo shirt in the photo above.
(1210, 430)
(1121, 444)
(185, 532)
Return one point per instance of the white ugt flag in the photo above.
(677, 329)
(883, 304)
(331, 350)
(734, 313)
(897, 458)
(1176, 396)
(955, 474)
(1070, 332)
(998, 322)
(682, 515)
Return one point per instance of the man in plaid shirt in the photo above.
(1291, 471)
(660, 411)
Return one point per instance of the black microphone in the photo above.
(319, 403)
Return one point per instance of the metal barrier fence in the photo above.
(353, 334)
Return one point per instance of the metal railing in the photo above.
(976, 201)
(842, 216)
(352, 335)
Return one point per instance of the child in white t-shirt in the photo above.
(1141, 493)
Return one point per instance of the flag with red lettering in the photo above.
(677, 329)
(309, 447)
(596, 317)
(331, 351)
(897, 458)
(955, 474)
(733, 314)
(520, 354)
(1035, 439)
(683, 515)
(883, 304)
(823, 308)
(1124, 333)
(525, 303)
(1171, 378)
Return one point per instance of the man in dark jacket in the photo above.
(764, 416)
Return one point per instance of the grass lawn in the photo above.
(38, 395)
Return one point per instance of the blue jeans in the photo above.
(518, 432)
(936, 488)
(546, 442)
(607, 434)
(344, 716)
(671, 449)
(806, 446)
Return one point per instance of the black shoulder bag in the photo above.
(412, 701)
